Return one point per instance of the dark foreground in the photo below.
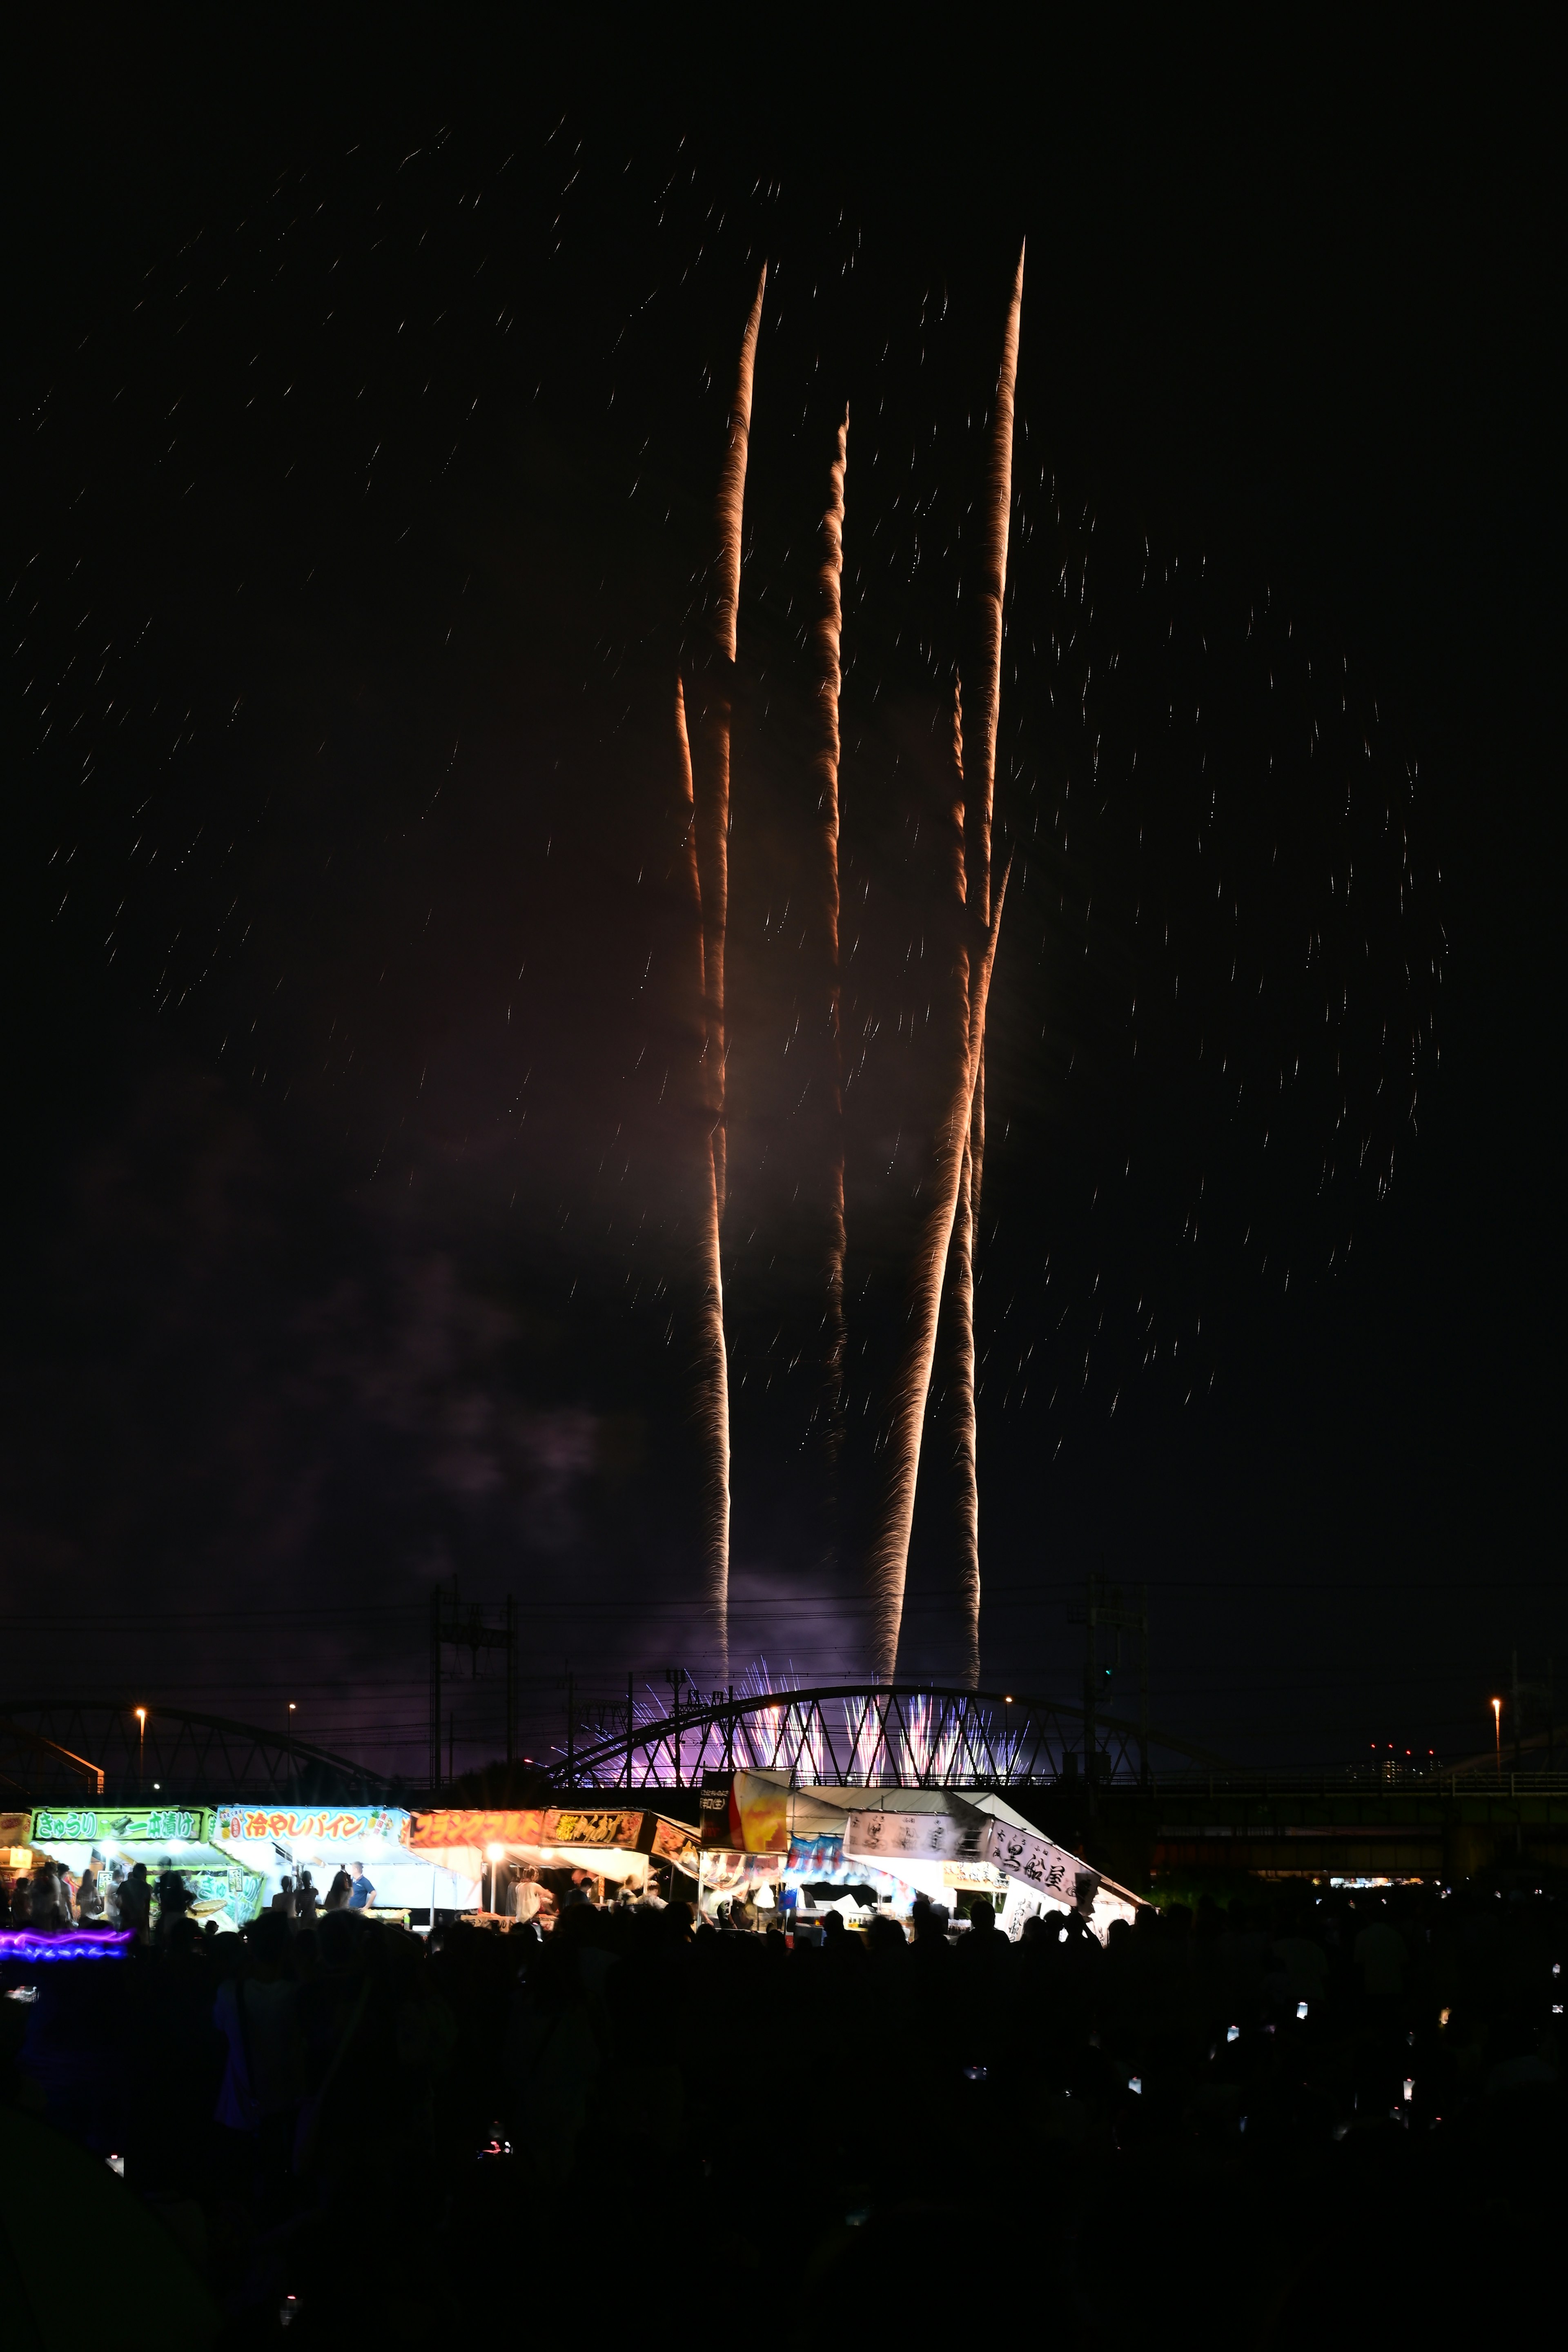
(634, 2125)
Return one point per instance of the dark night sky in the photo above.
(365, 415)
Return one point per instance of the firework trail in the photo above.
(713, 777)
(958, 1305)
(975, 884)
(824, 768)
(708, 787)
(713, 1369)
(890, 1551)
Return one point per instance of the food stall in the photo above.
(606, 1848)
(272, 1842)
(861, 1852)
(111, 1839)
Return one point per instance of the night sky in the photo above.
(365, 417)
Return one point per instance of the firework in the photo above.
(890, 1550)
(975, 886)
(712, 775)
(713, 1367)
(824, 768)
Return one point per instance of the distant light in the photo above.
(1233, 2033)
(1135, 2083)
(1008, 1700)
(495, 1854)
(1300, 2008)
(1409, 2088)
(140, 1715)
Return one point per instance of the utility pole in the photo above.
(631, 1719)
(1102, 1609)
(436, 1692)
(511, 1680)
(1143, 1685)
(571, 1729)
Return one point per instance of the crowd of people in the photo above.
(1282, 2100)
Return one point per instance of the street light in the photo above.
(141, 1749)
(1497, 1726)
(494, 1853)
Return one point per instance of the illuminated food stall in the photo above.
(272, 1842)
(604, 1848)
(111, 1839)
(813, 1851)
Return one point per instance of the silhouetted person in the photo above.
(283, 1900)
(306, 1902)
(89, 1894)
(136, 1902)
(339, 1891)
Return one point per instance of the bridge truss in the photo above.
(882, 1735)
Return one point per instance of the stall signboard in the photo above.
(629, 1831)
(916, 1837)
(1048, 1869)
(745, 1813)
(325, 1825)
(673, 1842)
(125, 1824)
(435, 1832)
(575, 1826)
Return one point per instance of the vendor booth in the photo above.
(860, 1851)
(273, 1842)
(525, 1862)
(111, 1839)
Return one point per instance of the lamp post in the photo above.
(494, 1853)
(141, 1750)
(1497, 1726)
(290, 1727)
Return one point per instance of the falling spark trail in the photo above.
(713, 780)
(825, 767)
(961, 1285)
(710, 785)
(890, 1551)
(713, 1367)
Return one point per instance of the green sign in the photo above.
(122, 1825)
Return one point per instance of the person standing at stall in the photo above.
(306, 1903)
(88, 1897)
(362, 1892)
(136, 1903)
(339, 1891)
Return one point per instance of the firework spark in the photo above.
(712, 775)
(890, 1550)
(713, 1368)
(974, 883)
(824, 768)
(708, 785)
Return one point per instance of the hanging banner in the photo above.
(1048, 1869)
(126, 1824)
(915, 1837)
(324, 1825)
(745, 1813)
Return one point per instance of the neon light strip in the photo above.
(27, 1944)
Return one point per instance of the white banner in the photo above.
(914, 1837)
(1049, 1869)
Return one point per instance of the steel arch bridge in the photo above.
(882, 1735)
(68, 1748)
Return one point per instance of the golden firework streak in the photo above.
(709, 786)
(713, 1369)
(824, 768)
(890, 1552)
